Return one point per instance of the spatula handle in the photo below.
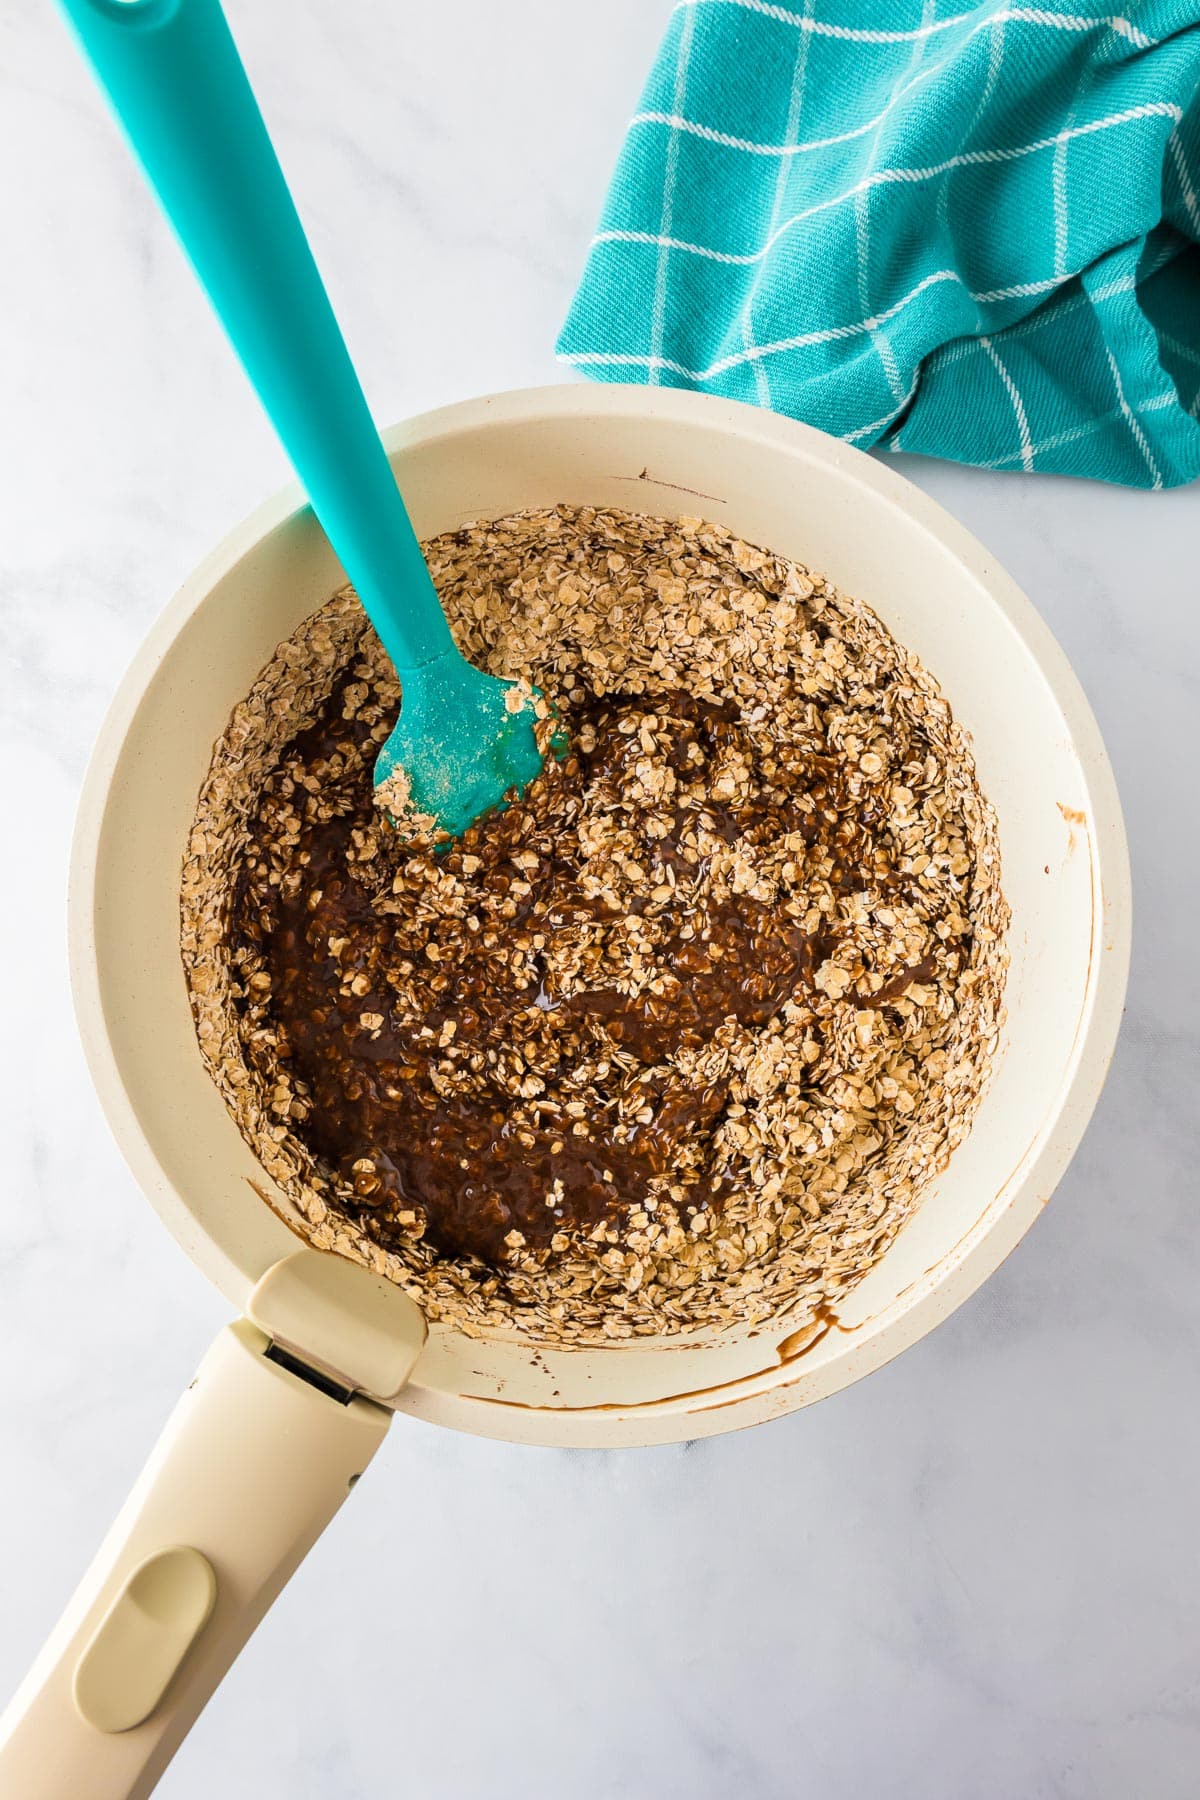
(174, 77)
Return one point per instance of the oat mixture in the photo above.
(676, 1040)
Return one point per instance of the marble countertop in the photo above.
(973, 1576)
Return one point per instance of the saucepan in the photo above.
(291, 1402)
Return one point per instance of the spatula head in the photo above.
(463, 742)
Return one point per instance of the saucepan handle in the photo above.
(254, 1462)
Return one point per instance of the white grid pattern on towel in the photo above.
(1149, 109)
(795, 103)
(1126, 106)
(882, 423)
(1125, 284)
(1061, 209)
(1075, 433)
(862, 215)
(801, 148)
(1130, 417)
(827, 335)
(671, 169)
(995, 61)
(862, 249)
(853, 34)
(1062, 218)
(996, 25)
(1014, 394)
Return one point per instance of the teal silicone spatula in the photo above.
(173, 74)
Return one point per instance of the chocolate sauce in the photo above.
(409, 1080)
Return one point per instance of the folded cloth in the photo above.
(968, 231)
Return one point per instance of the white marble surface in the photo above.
(974, 1576)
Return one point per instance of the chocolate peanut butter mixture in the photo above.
(677, 1038)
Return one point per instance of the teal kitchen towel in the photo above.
(971, 232)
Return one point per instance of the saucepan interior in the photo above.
(1040, 761)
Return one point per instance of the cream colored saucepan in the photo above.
(291, 1402)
